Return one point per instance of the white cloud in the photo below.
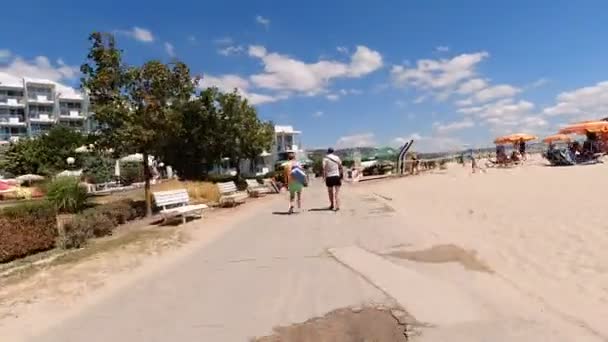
(225, 83)
(350, 92)
(429, 143)
(442, 48)
(138, 33)
(472, 86)
(4, 54)
(400, 103)
(419, 99)
(453, 126)
(282, 72)
(231, 50)
(41, 67)
(364, 61)
(192, 39)
(539, 83)
(357, 140)
(495, 92)
(317, 114)
(465, 102)
(342, 49)
(438, 74)
(262, 21)
(333, 97)
(507, 116)
(229, 82)
(170, 49)
(504, 109)
(585, 103)
(223, 41)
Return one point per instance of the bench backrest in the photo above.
(171, 198)
(252, 183)
(227, 188)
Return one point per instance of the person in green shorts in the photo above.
(294, 185)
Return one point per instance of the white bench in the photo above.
(272, 185)
(174, 203)
(229, 193)
(256, 189)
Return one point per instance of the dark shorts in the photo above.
(333, 181)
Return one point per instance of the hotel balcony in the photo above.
(42, 99)
(42, 118)
(71, 115)
(11, 121)
(8, 101)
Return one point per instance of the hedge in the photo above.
(26, 229)
(30, 228)
(99, 221)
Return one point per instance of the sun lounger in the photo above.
(175, 203)
(230, 194)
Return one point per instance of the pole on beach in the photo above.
(402, 153)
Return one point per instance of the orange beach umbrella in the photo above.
(584, 127)
(513, 138)
(557, 137)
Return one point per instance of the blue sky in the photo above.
(351, 72)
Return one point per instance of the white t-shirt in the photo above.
(332, 167)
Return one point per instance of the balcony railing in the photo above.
(71, 115)
(42, 118)
(12, 121)
(35, 98)
(11, 101)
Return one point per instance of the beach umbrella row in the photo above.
(585, 126)
(513, 138)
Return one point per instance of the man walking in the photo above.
(333, 173)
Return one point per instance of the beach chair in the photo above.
(560, 157)
(256, 189)
(229, 194)
(176, 203)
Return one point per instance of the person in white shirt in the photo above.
(333, 173)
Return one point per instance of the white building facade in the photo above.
(30, 107)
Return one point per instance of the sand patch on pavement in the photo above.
(344, 325)
(445, 253)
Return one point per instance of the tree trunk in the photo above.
(147, 194)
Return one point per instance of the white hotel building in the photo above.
(29, 107)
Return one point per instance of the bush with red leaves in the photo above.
(26, 229)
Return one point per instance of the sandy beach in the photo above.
(541, 229)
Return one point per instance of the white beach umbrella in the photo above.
(30, 177)
(117, 168)
(82, 149)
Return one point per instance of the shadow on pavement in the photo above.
(321, 209)
(284, 213)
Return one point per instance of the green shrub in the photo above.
(131, 172)
(99, 221)
(67, 195)
(26, 229)
(98, 169)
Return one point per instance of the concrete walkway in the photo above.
(275, 269)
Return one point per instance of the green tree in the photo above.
(135, 107)
(44, 155)
(201, 139)
(249, 135)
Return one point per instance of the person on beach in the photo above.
(295, 178)
(522, 149)
(333, 173)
